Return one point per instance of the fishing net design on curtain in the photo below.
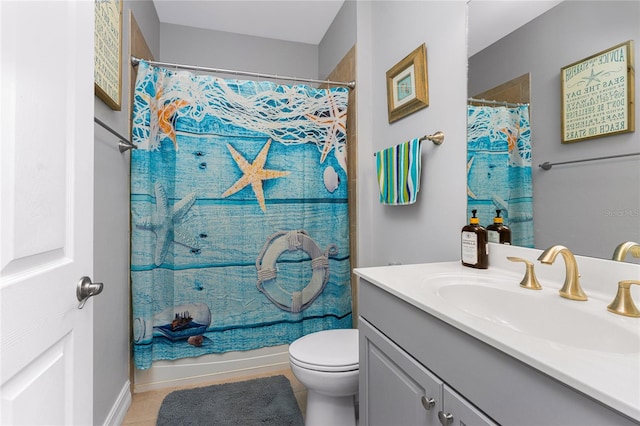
(240, 231)
(499, 168)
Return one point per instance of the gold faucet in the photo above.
(623, 303)
(571, 288)
(629, 247)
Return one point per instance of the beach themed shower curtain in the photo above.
(499, 168)
(240, 233)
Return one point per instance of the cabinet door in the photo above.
(459, 412)
(394, 389)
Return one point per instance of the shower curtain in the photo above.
(499, 168)
(240, 233)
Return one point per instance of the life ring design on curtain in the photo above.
(277, 244)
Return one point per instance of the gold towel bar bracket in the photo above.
(437, 138)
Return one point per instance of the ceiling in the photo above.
(489, 20)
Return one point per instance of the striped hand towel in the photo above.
(399, 173)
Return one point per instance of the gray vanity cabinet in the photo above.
(407, 354)
(397, 390)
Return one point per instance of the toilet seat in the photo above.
(328, 351)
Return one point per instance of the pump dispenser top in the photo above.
(474, 220)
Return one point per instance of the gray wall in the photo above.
(428, 230)
(111, 233)
(339, 38)
(217, 49)
(589, 207)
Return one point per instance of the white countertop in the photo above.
(612, 377)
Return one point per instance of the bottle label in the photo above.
(469, 247)
(493, 236)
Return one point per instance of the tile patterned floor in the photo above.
(145, 406)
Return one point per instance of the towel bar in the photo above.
(437, 138)
(124, 144)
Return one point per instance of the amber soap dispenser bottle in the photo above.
(475, 249)
(498, 232)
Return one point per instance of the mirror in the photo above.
(590, 206)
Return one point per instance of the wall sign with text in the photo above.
(598, 95)
(108, 44)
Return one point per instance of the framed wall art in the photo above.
(598, 95)
(108, 48)
(407, 85)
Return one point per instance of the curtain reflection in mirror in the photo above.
(499, 168)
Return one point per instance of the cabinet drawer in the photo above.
(460, 411)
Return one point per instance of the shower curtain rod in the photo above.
(485, 101)
(135, 61)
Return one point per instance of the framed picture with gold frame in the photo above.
(108, 52)
(407, 85)
(598, 95)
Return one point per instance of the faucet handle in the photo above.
(623, 302)
(529, 281)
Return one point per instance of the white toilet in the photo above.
(326, 363)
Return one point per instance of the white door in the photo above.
(46, 133)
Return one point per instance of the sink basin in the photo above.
(541, 314)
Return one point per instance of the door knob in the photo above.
(86, 289)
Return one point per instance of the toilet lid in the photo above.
(328, 350)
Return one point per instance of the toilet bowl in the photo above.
(326, 363)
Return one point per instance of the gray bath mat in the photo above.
(264, 401)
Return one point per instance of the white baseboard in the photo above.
(120, 407)
(207, 368)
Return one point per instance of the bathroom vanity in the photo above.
(444, 344)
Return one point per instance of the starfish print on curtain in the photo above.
(253, 173)
(336, 121)
(167, 225)
(469, 191)
(165, 115)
